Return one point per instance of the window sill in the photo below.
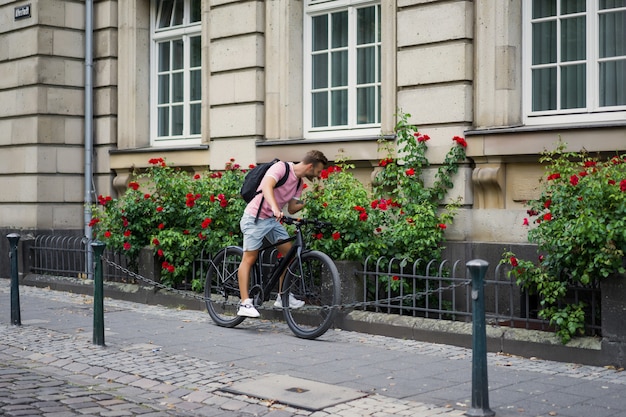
(181, 156)
(533, 140)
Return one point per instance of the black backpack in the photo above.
(252, 181)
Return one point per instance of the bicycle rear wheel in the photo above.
(313, 279)
(221, 287)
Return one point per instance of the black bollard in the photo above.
(98, 295)
(15, 287)
(480, 386)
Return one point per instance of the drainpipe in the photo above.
(88, 133)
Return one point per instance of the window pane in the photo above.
(544, 43)
(544, 89)
(164, 121)
(177, 54)
(339, 68)
(195, 51)
(164, 89)
(378, 64)
(610, 4)
(195, 11)
(339, 107)
(164, 56)
(178, 13)
(320, 109)
(195, 119)
(612, 34)
(339, 29)
(544, 8)
(573, 87)
(378, 37)
(379, 98)
(366, 105)
(165, 13)
(613, 83)
(366, 25)
(177, 120)
(573, 39)
(572, 6)
(366, 65)
(195, 90)
(177, 87)
(320, 71)
(320, 33)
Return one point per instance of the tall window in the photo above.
(576, 63)
(177, 81)
(342, 69)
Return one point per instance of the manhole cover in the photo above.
(296, 392)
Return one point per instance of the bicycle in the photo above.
(310, 276)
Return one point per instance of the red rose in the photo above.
(336, 236)
(460, 141)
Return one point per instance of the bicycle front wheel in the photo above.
(313, 279)
(221, 287)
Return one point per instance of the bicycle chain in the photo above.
(380, 303)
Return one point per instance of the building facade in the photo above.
(198, 82)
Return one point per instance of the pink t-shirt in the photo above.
(283, 194)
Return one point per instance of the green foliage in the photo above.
(580, 221)
(401, 218)
(339, 198)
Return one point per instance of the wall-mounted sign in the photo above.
(22, 12)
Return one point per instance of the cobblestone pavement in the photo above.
(166, 362)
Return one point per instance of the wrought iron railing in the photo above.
(429, 289)
(442, 290)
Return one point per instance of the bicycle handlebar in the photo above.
(319, 224)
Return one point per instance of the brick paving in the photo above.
(166, 362)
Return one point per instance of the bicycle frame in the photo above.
(267, 283)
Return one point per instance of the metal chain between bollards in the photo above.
(348, 306)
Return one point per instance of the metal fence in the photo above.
(429, 289)
(442, 290)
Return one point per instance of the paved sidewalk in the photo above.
(165, 362)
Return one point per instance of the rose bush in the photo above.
(178, 214)
(580, 230)
(400, 217)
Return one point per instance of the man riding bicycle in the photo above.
(262, 216)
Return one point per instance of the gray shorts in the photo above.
(253, 233)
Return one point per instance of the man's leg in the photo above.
(293, 302)
(246, 308)
(243, 274)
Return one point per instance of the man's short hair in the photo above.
(315, 157)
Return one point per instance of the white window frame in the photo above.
(593, 112)
(185, 32)
(352, 129)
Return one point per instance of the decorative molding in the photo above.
(488, 187)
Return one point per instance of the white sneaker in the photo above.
(293, 302)
(246, 309)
